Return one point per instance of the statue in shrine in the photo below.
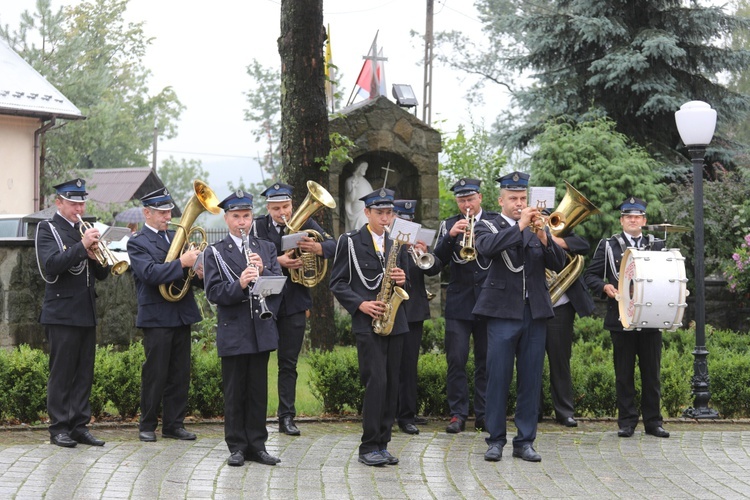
(355, 188)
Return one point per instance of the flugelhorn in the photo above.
(203, 199)
(423, 260)
(468, 252)
(104, 255)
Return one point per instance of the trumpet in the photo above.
(468, 252)
(265, 313)
(104, 255)
(423, 260)
(556, 220)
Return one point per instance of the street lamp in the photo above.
(696, 122)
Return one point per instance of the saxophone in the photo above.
(389, 293)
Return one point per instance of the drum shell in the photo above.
(652, 289)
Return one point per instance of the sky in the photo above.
(202, 50)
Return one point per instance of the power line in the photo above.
(204, 154)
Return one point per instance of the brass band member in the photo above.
(165, 375)
(602, 279)
(359, 267)
(244, 340)
(296, 299)
(70, 269)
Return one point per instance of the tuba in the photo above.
(314, 267)
(203, 199)
(468, 252)
(572, 210)
(389, 293)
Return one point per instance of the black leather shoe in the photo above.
(494, 453)
(286, 426)
(147, 436)
(178, 433)
(86, 438)
(421, 421)
(63, 440)
(390, 459)
(479, 424)
(236, 459)
(457, 425)
(408, 428)
(567, 422)
(527, 453)
(262, 457)
(372, 458)
(625, 432)
(658, 432)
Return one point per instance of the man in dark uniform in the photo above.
(417, 310)
(360, 265)
(466, 279)
(165, 375)
(559, 345)
(517, 304)
(602, 278)
(69, 267)
(296, 298)
(243, 339)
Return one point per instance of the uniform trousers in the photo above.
(559, 347)
(458, 335)
(245, 384)
(407, 377)
(379, 363)
(519, 342)
(646, 344)
(165, 377)
(291, 335)
(72, 350)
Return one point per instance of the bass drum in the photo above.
(652, 289)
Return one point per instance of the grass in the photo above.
(306, 404)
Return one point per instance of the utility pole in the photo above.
(156, 141)
(428, 42)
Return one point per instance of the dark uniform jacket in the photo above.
(600, 268)
(418, 307)
(239, 327)
(504, 291)
(148, 251)
(579, 296)
(296, 297)
(71, 299)
(466, 279)
(347, 286)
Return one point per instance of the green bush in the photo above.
(103, 367)
(25, 381)
(123, 380)
(431, 384)
(730, 384)
(334, 380)
(206, 394)
(593, 377)
(343, 321)
(4, 379)
(433, 336)
(675, 382)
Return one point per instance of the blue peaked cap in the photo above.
(239, 200)
(405, 208)
(380, 198)
(466, 187)
(633, 206)
(514, 181)
(158, 200)
(73, 190)
(278, 192)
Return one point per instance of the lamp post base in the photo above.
(700, 381)
(700, 413)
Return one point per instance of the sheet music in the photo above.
(406, 231)
(426, 235)
(543, 194)
(289, 241)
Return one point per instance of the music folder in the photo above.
(289, 241)
(268, 285)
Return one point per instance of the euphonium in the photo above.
(389, 293)
(574, 208)
(468, 252)
(203, 199)
(104, 255)
(314, 267)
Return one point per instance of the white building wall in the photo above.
(17, 164)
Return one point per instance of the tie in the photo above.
(278, 229)
(163, 234)
(637, 242)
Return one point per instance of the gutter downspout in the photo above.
(37, 160)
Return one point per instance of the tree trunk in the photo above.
(304, 130)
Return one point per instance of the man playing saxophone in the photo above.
(165, 375)
(244, 339)
(296, 299)
(359, 270)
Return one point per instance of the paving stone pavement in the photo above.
(697, 461)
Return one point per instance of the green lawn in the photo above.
(306, 403)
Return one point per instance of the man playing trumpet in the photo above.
(244, 340)
(296, 299)
(68, 265)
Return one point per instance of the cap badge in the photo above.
(462, 182)
(276, 186)
(515, 177)
(78, 183)
(632, 200)
(166, 193)
(407, 204)
(239, 194)
(382, 193)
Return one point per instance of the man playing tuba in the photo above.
(165, 376)
(296, 300)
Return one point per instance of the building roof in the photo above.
(120, 185)
(24, 92)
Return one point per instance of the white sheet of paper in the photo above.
(290, 240)
(268, 285)
(404, 230)
(426, 235)
(546, 195)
